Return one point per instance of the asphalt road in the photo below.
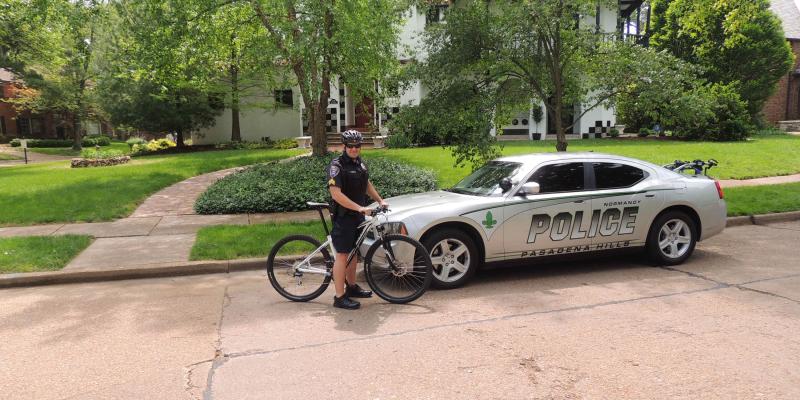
(722, 326)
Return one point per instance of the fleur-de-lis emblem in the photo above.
(489, 222)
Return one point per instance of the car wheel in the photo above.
(454, 257)
(672, 238)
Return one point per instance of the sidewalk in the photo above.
(157, 238)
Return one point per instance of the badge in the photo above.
(334, 171)
(331, 182)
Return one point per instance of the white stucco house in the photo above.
(286, 119)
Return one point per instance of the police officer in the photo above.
(348, 182)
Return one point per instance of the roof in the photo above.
(788, 11)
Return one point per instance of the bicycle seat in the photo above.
(318, 206)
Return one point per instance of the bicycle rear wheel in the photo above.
(294, 281)
(407, 277)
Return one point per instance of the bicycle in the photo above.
(397, 267)
(698, 166)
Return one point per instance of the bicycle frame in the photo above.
(370, 225)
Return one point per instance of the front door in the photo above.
(553, 222)
(364, 114)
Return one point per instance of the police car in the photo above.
(544, 205)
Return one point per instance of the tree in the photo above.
(735, 42)
(54, 55)
(320, 40)
(493, 58)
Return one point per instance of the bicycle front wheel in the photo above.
(398, 268)
(296, 270)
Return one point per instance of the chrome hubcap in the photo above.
(674, 238)
(451, 260)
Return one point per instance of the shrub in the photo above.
(153, 146)
(96, 155)
(398, 141)
(287, 143)
(719, 114)
(4, 139)
(613, 133)
(277, 187)
(135, 140)
(644, 132)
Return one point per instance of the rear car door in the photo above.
(624, 204)
(550, 222)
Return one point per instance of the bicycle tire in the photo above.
(282, 276)
(387, 281)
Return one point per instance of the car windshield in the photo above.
(485, 181)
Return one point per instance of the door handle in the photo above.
(578, 201)
(649, 195)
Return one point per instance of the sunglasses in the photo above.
(353, 146)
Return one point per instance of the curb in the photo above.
(29, 279)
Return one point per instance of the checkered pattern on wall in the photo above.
(330, 121)
(600, 128)
(387, 113)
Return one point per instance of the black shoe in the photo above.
(356, 291)
(346, 303)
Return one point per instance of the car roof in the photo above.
(537, 158)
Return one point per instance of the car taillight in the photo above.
(719, 190)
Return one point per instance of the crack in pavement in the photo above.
(468, 322)
(219, 357)
(740, 286)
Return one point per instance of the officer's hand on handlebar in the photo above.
(365, 210)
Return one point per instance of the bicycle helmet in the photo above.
(351, 136)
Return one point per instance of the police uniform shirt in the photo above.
(351, 176)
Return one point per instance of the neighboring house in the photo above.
(27, 124)
(784, 105)
(283, 115)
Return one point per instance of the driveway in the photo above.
(722, 326)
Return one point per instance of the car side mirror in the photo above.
(530, 188)
(505, 184)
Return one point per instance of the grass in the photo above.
(39, 253)
(762, 156)
(54, 192)
(4, 157)
(69, 152)
(228, 242)
(750, 200)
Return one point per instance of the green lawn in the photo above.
(761, 156)
(765, 199)
(4, 156)
(68, 152)
(54, 192)
(39, 253)
(228, 242)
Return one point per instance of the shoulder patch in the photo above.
(334, 171)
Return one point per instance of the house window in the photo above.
(284, 98)
(435, 13)
(23, 127)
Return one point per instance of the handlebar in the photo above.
(696, 165)
(378, 210)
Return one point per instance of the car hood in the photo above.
(428, 200)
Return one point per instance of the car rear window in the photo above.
(614, 175)
(562, 177)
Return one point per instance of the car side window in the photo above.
(615, 175)
(562, 177)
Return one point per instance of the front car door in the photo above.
(624, 203)
(552, 221)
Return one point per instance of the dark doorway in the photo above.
(60, 132)
(567, 116)
(365, 111)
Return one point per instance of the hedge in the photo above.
(86, 142)
(278, 187)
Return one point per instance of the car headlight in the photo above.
(396, 227)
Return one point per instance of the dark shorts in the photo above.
(345, 232)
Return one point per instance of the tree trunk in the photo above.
(179, 138)
(236, 134)
(76, 132)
